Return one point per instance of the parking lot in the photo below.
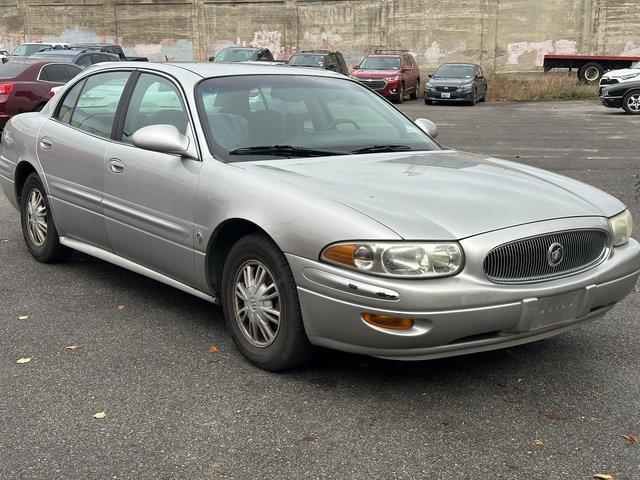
(181, 402)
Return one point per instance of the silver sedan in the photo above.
(314, 211)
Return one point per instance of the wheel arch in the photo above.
(223, 238)
(22, 172)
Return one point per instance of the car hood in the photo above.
(440, 195)
(375, 73)
(621, 73)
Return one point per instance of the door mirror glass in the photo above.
(331, 66)
(427, 126)
(163, 139)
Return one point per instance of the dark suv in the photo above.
(324, 59)
(391, 73)
(243, 54)
(82, 58)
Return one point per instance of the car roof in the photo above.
(460, 63)
(244, 48)
(316, 52)
(212, 69)
(59, 52)
(393, 55)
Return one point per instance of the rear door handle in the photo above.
(46, 143)
(116, 166)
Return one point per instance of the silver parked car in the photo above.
(313, 210)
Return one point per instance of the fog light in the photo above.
(388, 321)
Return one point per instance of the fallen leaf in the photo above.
(632, 438)
(121, 307)
(100, 415)
(72, 347)
(213, 349)
(520, 380)
(604, 476)
(538, 443)
(554, 416)
(23, 360)
(23, 317)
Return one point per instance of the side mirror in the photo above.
(355, 66)
(331, 66)
(480, 77)
(429, 75)
(427, 126)
(163, 139)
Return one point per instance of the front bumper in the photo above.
(611, 102)
(455, 96)
(456, 315)
(387, 88)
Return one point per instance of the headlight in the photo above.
(397, 259)
(622, 227)
(466, 87)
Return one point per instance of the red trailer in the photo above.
(590, 67)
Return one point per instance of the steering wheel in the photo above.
(335, 123)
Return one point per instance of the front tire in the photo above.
(400, 97)
(261, 307)
(38, 229)
(631, 103)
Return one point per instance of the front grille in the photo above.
(609, 81)
(527, 260)
(446, 89)
(374, 84)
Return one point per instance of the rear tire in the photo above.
(414, 95)
(261, 307)
(38, 229)
(590, 72)
(428, 102)
(631, 102)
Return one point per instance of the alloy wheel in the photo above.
(37, 225)
(257, 304)
(634, 103)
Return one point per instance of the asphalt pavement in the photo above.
(173, 408)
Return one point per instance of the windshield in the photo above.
(380, 63)
(27, 49)
(299, 112)
(455, 71)
(307, 60)
(12, 69)
(236, 55)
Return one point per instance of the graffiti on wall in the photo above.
(538, 49)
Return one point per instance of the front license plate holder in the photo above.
(558, 308)
(445, 95)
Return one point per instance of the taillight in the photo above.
(51, 93)
(6, 88)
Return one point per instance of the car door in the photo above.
(72, 146)
(149, 196)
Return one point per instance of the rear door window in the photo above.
(69, 103)
(84, 61)
(96, 106)
(53, 73)
(70, 71)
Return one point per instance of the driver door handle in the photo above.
(116, 166)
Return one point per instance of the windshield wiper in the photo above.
(288, 151)
(382, 148)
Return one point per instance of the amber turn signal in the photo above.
(388, 321)
(341, 253)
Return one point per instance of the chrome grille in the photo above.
(374, 84)
(526, 260)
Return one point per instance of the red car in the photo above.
(25, 85)
(391, 73)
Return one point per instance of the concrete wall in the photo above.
(503, 35)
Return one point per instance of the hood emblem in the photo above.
(555, 254)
